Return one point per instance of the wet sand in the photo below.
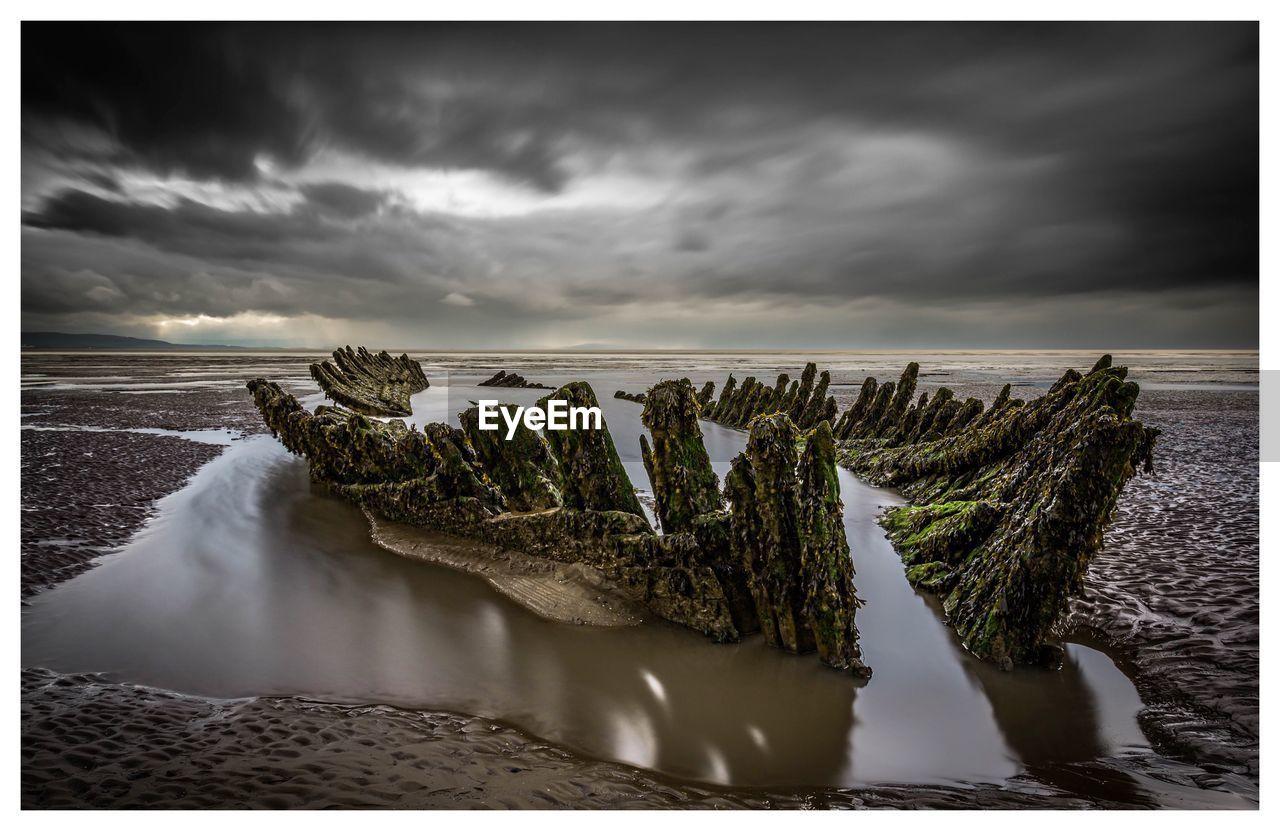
(103, 437)
(1045, 780)
(86, 493)
(1176, 590)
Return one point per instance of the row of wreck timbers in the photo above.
(1007, 503)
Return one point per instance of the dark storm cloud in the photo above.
(344, 200)
(184, 99)
(209, 100)
(922, 164)
(189, 227)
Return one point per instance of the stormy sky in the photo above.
(538, 186)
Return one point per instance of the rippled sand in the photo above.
(1176, 587)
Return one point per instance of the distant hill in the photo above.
(65, 340)
(589, 347)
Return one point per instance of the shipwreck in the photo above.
(1008, 502)
(766, 554)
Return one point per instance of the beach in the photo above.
(134, 459)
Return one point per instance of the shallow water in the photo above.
(251, 581)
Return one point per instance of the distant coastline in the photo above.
(68, 340)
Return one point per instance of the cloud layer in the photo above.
(837, 186)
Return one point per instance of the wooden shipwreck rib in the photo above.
(1009, 502)
(377, 385)
(803, 402)
(511, 380)
(775, 559)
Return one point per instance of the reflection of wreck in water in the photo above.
(1060, 721)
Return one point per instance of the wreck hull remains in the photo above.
(1010, 502)
(565, 496)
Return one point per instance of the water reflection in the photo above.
(253, 581)
(1055, 718)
